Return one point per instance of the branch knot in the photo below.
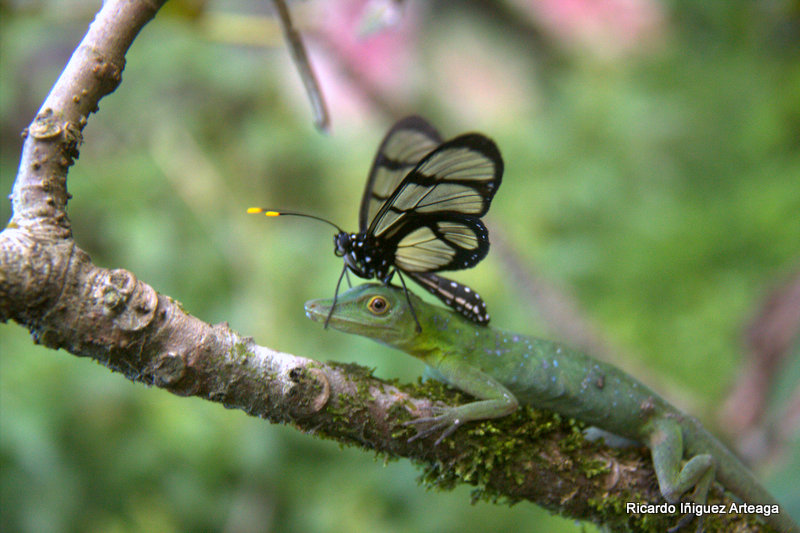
(131, 303)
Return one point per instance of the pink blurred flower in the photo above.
(357, 69)
(378, 56)
(604, 27)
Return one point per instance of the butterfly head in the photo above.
(345, 246)
(343, 243)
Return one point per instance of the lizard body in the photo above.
(503, 370)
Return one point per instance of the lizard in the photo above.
(504, 370)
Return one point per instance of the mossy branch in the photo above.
(49, 285)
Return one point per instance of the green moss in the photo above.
(176, 303)
(343, 408)
(496, 444)
(400, 412)
(491, 445)
(612, 506)
(352, 369)
(239, 352)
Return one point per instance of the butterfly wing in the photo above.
(404, 146)
(431, 221)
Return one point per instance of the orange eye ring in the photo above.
(378, 305)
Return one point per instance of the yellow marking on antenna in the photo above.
(259, 210)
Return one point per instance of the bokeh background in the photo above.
(652, 190)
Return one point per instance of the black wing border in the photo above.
(412, 122)
(464, 257)
(486, 189)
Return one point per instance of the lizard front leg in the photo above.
(495, 400)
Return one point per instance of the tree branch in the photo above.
(49, 285)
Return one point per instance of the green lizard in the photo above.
(504, 370)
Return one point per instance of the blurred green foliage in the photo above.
(662, 189)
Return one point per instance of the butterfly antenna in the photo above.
(335, 297)
(272, 213)
(408, 299)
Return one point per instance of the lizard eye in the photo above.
(378, 305)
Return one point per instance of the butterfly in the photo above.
(421, 213)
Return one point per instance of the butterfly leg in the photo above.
(408, 298)
(336, 295)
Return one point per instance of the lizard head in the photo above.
(372, 310)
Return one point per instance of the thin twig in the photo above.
(298, 52)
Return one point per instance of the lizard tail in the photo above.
(736, 478)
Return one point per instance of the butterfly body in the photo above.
(362, 256)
